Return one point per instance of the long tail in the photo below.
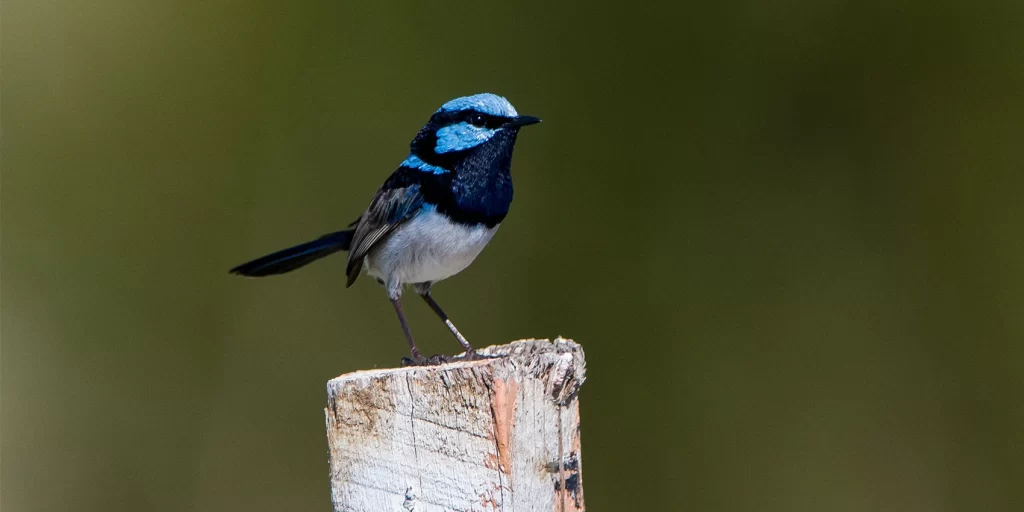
(292, 258)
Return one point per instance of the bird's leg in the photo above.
(416, 355)
(470, 353)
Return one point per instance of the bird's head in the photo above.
(481, 127)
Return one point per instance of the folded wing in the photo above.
(388, 210)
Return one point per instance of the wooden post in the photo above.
(500, 433)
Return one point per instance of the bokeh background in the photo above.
(788, 235)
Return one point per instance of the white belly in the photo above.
(428, 248)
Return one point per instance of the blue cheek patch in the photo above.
(415, 162)
(458, 137)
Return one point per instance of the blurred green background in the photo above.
(788, 235)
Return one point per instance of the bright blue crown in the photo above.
(485, 103)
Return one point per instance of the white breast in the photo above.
(429, 247)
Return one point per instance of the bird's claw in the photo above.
(433, 360)
(439, 359)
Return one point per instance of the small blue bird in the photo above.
(433, 215)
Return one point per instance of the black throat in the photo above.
(477, 189)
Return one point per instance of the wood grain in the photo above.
(495, 434)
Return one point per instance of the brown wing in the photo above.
(388, 209)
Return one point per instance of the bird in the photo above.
(433, 215)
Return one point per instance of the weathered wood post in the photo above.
(500, 433)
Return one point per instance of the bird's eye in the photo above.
(477, 120)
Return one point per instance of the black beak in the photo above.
(521, 121)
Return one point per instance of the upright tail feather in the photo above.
(292, 258)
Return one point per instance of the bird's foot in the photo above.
(433, 360)
(437, 359)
